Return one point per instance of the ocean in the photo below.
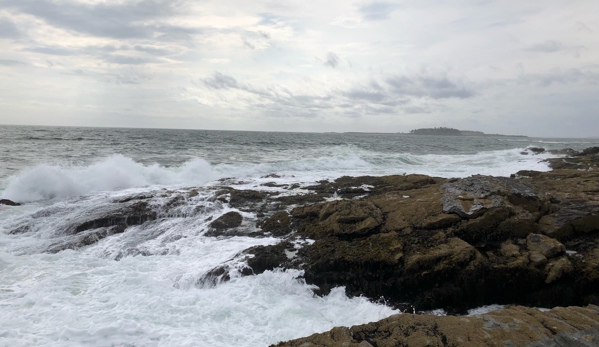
(142, 287)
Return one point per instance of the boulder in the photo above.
(9, 202)
(228, 220)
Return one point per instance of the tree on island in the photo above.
(436, 131)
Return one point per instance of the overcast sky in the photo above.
(517, 67)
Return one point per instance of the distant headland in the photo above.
(453, 132)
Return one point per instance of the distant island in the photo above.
(443, 131)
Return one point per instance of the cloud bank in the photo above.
(495, 66)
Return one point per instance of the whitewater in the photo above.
(146, 286)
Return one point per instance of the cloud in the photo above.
(8, 29)
(4, 62)
(375, 11)
(546, 47)
(559, 76)
(119, 21)
(364, 95)
(332, 60)
(221, 81)
(432, 87)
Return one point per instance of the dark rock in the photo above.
(278, 224)
(214, 277)
(132, 214)
(565, 151)
(246, 198)
(227, 221)
(589, 151)
(537, 150)
(9, 202)
(265, 258)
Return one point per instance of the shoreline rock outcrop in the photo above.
(509, 327)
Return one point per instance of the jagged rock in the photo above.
(509, 327)
(9, 202)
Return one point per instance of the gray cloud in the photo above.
(123, 54)
(4, 62)
(51, 50)
(221, 81)
(376, 10)
(546, 47)
(558, 76)
(357, 94)
(332, 60)
(121, 21)
(433, 87)
(8, 29)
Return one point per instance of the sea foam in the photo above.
(117, 172)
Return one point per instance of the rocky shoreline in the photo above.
(418, 243)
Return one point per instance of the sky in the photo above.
(511, 67)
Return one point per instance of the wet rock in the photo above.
(86, 238)
(589, 151)
(537, 150)
(246, 199)
(565, 151)
(512, 326)
(263, 258)
(278, 224)
(9, 202)
(456, 243)
(122, 216)
(228, 220)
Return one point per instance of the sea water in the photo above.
(142, 287)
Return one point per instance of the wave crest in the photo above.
(116, 172)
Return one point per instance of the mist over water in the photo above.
(143, 287)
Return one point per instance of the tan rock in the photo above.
(509, 249)
(512, 326)
(545, 245)
(557, 268)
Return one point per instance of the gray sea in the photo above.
(139, 288)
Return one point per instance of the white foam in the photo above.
(113, 173)
(117, 172)
(86, 298)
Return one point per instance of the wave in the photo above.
(44, 182)
(117, 172)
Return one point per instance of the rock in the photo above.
(512, 326)
(557, 268)
(343, 218)
(278, 224)
(263, 258)
(228, 220)
(455, 244)
(544, 245)
(565, 151)
(537, 150)
(589, 151)
(9, 202)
